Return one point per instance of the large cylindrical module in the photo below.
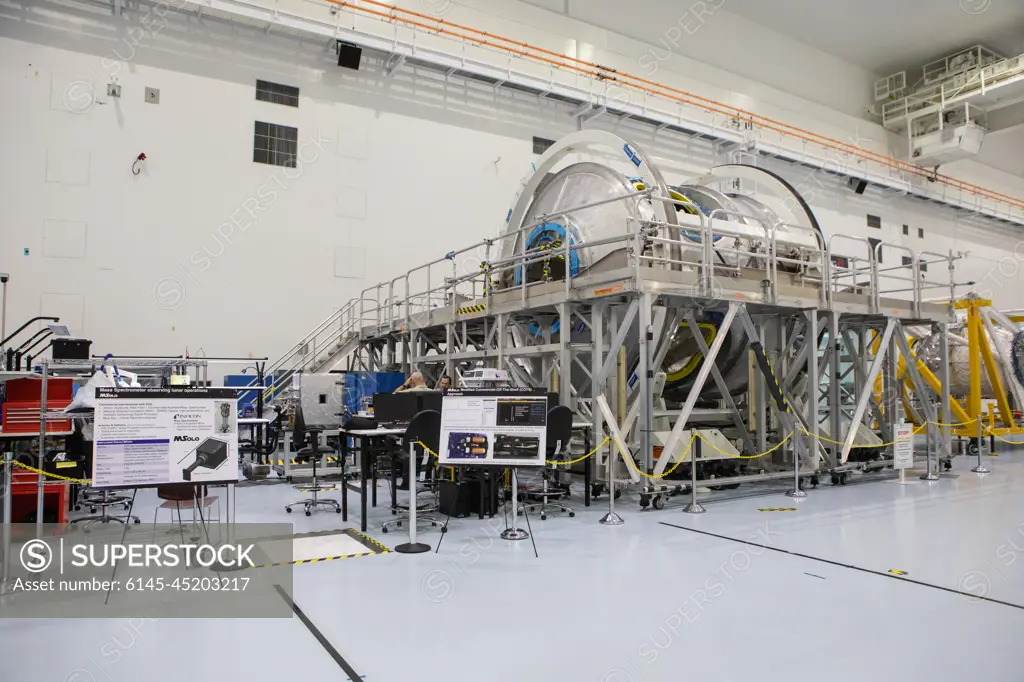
(575, 202)
(1004, 344)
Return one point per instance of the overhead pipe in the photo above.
(522, 49)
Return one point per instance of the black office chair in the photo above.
(306, 453)
(424, 428)
(559, 433)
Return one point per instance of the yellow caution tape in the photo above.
(49, 475)
(580, 459)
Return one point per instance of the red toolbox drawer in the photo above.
(22, 403)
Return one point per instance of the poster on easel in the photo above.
(156, 436)
(499, 427)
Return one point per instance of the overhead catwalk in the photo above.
(696, 311)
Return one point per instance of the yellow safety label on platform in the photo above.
(777, 509)
(471, 309)
(898, 572)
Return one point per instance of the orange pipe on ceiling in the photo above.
(483, 38)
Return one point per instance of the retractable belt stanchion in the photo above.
(980, 469)
(412, 547)
(5, 571)
(694, 507)
(797, 491)
(512, 532)
(616, 445)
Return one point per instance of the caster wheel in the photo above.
(288, 479)
(138, 521)
(434, 525)
(399, 524)
(288, 509)
(835, 479)
(572, 514)
(842, 478)
(383, 530)
(78, 508)
(947, 465)
(309, 513)
(92, 510)
(543, 517)
(645, 500)
(618, 494)
(972, 448)
(338, 510)
(814, 481)
(658, 502)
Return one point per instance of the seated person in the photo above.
(415, 382)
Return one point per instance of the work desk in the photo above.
(367, 457)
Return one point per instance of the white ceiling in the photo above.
(885, 36)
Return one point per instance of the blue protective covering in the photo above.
(362, 384)
(551, 229)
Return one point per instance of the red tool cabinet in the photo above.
(23, 400)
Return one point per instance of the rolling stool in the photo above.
(312, 453)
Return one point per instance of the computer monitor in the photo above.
(395, 408)
(429, 400)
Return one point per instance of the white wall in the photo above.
(207, 250)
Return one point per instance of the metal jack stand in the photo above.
(694, 507)
(980, 469)
(412, 547)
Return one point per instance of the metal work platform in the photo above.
(669, 325)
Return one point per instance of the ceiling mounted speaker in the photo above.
(349, 55)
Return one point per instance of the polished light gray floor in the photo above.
(645, 601)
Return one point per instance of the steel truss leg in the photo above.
(858, 356)
(673, 318)
(723, 388)
(947, 398)
(811, 343)
(834, 380)
(691, 399)
(565, 355)
(867, 391)
(645, 375)
(785, 415)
